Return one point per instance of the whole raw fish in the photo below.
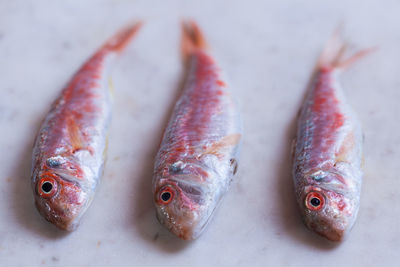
(70, 148)
(328, 150)
(199, 151)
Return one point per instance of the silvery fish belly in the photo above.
(199, 150)
(328, 154)
(69, 150)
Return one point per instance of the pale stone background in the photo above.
(268, 50)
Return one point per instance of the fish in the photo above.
(70, 148)
(327, 150)
(198, 155)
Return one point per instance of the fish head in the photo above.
(59, 200)
(327, 212)
(182, 207)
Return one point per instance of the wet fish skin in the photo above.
(199, 151)
(327, 153)
(70, 148)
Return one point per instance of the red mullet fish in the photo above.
(69, 151)
(327, 152)
(199, 150)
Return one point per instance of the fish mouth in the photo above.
(57, 217)
(331, 233)
(184, 232)
(202, 225)
(185, 224)
(180, 223)
(69, 225)
(64, 220)
(335, 236)
(335, 231)
(195, 231)
(189, 230)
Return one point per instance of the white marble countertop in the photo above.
(268, 49)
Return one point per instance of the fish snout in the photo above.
(331, 231)
(63, 219)
(181, 221)
(65, 207)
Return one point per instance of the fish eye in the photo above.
(47, 187)
(166, 195)
(314, 201)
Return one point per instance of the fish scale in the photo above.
(69, 151)
(196, 159)
(327, 152)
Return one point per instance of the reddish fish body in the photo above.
(69, 151)
(198, 152)
(328, 155)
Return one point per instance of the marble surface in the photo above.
(268, 50)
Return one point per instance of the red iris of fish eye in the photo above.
(314, 201)
(166, 195)
(47, 187)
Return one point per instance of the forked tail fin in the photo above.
(332, 57)
(121, 39)
(192, 38)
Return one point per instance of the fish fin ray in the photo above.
(332, 56)
(226, 141)
(192, 38)
(122, 38)
(75, 135)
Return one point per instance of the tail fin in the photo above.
(333, 53)
(192, 38)
(120, 40)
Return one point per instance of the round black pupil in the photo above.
(47, 187)
(315, 202)
(165, 196)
